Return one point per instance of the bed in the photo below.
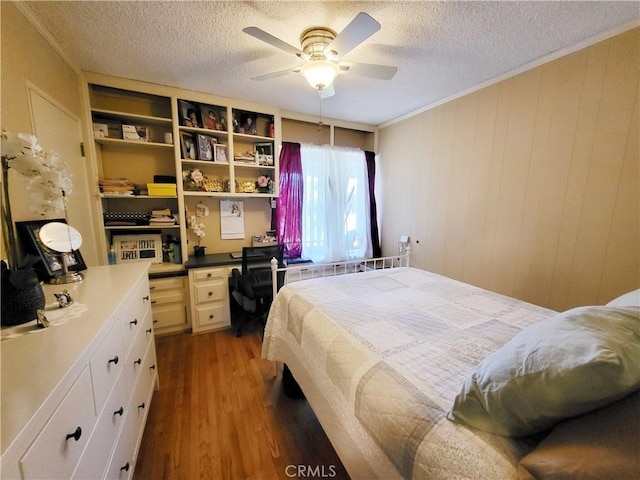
(381, 356)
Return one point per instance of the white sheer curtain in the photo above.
(335, 204)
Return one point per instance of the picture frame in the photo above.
(189, 114)
(188, 145)
(248, 124)
(50, 263)
(213, 118)
(221, 153)
(265, 153)
(206, 147)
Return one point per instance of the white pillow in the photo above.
(629, 299)
(559, 367)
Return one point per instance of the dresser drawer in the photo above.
(133, 363)
(211, 291)
(95, 457)
(57, 448)
(106, 365)
(203, 274)
(135, 312)
(208, 316)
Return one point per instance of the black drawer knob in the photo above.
(138, 361)
(75, 435)
(211, 316)
(114, 360)
(210, 293)
(120, 411)
(125, 468)
(146, 297)
(148, 330)
(208, 274)
(141, 405)
(152, 367)
(134, 322)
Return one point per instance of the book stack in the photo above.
(116, 186)
(162, 218)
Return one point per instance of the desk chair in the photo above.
(252, 287)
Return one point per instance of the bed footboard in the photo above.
(307, 271)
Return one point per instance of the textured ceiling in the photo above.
(440, 48)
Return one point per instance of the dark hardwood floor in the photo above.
(221, 413)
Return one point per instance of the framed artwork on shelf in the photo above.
(213, 118)
(265, 153)
(189, 114)
(50, 263)
(188, 145)
(221, 153)
(248, 124)
(206, 147)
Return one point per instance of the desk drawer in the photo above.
(211, 291)
(202, 274)
(55, 453)
(211, 315)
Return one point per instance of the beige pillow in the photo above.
(601, 445)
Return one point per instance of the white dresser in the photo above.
(75, 396)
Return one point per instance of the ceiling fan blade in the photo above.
(381, 72)
(279, 73)
(360, 28)
(271, 40)
(327, 91)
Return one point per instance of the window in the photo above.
(335, 204)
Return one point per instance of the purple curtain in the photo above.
(289, 203)
(371, 172)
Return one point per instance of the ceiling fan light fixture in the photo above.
(320, 73)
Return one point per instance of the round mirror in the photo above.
(60, 237)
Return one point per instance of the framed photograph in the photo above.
(137, 248)
(189, 114)
(221, 153)
(50, 263)
(188, 145)
(206, 147)
(213, 118)
(248, 124)
(265, 153)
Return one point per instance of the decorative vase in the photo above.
(198, 251)
(20, 305)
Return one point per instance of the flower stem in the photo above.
(8, 231)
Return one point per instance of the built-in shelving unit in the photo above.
(153, 134)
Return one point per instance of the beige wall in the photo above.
(27, 58)
(528, 187)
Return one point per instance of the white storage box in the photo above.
(137, 248)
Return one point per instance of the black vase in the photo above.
(20, 305)
(198, 251)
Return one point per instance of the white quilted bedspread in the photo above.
(390, 349)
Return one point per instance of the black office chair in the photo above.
(252, 287)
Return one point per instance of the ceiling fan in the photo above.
(323, 50)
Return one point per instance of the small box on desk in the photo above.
(162, 189)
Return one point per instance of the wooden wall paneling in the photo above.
(622, 264)
(460, 184)
(429, 195)
(538, 164)
(495, 183)
(418, 172)
(515, 170)
(556, 292)
(562, 129)
(475, 245)
(614, 121)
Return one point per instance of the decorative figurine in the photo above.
(64, 299)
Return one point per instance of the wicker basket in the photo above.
(20, 306)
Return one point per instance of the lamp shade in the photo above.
(319, 73)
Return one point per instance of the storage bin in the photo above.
(161, 189)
